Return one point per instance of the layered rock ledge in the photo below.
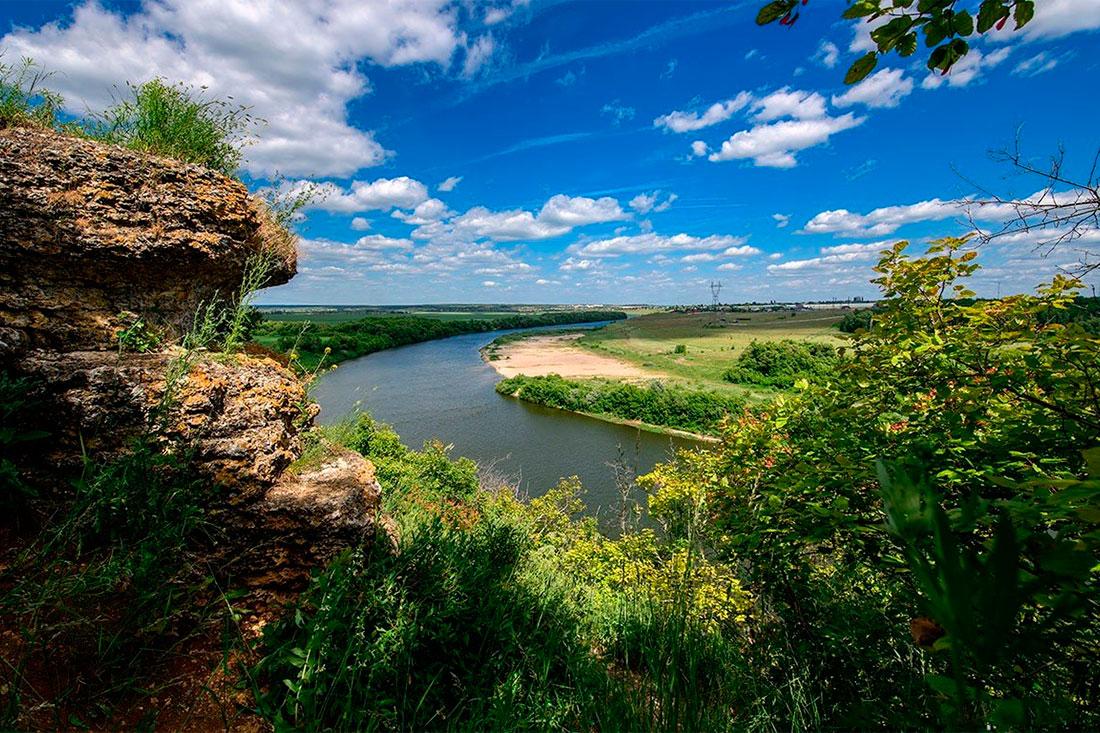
(90, 231)
(92, 236)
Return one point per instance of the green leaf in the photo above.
(962, 23)
(1092, 461)
(887, 36)
(773, 11)
(1025, 11)
(861, 68)
(990, 13)
(907, 44)
(943, 685)
(861, 9)
(934, 32)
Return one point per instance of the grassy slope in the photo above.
(713, 340)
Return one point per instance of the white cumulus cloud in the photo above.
(678, 121)
(295, 64)
(381, 194)
(774, 145)
(652, 243)
(885, 88)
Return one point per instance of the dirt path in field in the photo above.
(557, 354)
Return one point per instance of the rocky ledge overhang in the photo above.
(93, 236)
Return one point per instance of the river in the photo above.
(444, 389)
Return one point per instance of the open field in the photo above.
(712, 340)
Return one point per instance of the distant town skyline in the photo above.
(610, 152)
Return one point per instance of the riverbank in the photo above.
(542, 355)
(444, 390)
(637, 425)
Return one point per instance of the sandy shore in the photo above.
(557, 354)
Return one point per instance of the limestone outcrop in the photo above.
(92, 235)
(90, 231)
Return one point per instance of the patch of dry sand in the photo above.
(557, 354)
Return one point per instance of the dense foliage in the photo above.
(855, 320)
(500, 615)
(349, 339)
(781, 363)
(943, 485)
(942, 25)
(656, 403)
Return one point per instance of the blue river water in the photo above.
(444, 389)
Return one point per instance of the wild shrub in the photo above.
(781, 363)
(448, 633)
(856, 320)
(107, 590)
(177, 121)
(699, 411)
(500, 615)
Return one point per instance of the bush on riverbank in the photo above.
(781, 363)
(351, 339)
(656, 403)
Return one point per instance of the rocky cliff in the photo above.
(93, 236)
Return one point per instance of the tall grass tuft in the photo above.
(177, 121)
(24, 98)
(449, 633)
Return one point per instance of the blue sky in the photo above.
(597, 152)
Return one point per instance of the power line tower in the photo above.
(715, 289)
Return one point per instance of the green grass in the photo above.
(176, 121)
(655, 404)
(173, 120)
(499, 615)
(24, 99)
(713, 342)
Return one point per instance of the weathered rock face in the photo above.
(240, 416)
(89, 231)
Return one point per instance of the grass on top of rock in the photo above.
(656, 403)
(176, 121)
(173, 120)
(24, 97)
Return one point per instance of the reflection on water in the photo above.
(442, 389)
